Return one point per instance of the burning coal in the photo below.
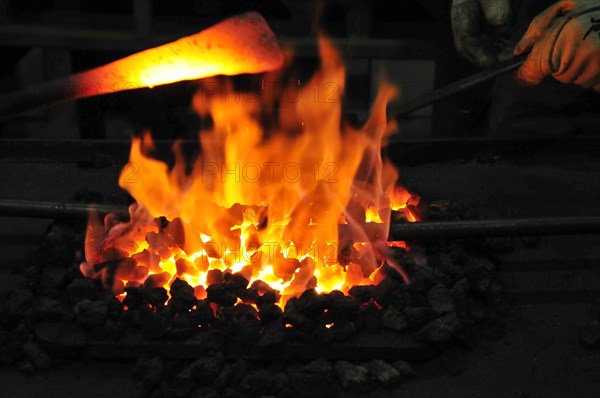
(264, 203)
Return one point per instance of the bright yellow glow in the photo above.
(238, 45)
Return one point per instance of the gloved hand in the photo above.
(565, 42)
(477, 26)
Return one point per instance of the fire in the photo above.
(262, 202)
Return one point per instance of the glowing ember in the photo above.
(262, 203)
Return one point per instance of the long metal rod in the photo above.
(454, 88)
(495, 228)
(246, 37)
(400, 231)
(39, 209)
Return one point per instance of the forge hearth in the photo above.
(355, 341)
(50, 289)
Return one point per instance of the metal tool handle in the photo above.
(454, 88)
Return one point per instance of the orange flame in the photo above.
(265, 203)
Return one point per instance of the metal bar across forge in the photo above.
(397, 231)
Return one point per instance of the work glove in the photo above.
(564, 41)
(481, 30)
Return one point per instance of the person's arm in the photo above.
(564, 42)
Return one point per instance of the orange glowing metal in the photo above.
(238, 45)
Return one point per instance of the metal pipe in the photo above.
(493, 228)
(397, 232)
(39, 209)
